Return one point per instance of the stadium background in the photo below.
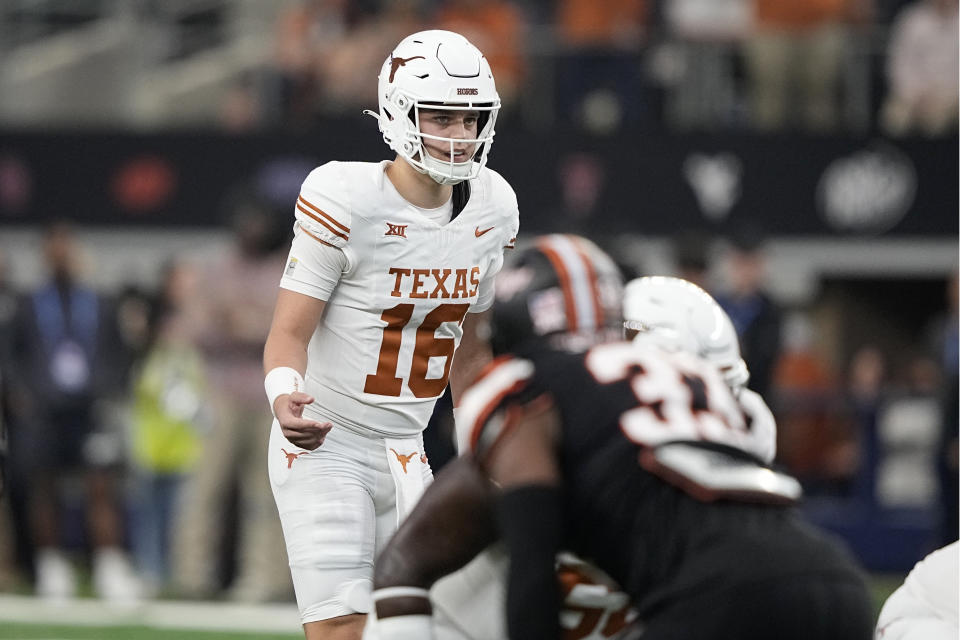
(631, 122)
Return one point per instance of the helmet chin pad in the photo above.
(446, 172)
(442, 171)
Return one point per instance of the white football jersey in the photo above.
(924, 607)
(382, 351)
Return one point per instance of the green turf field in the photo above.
(28, 618)
(10, 631)
(173, 621)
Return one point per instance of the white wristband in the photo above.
(400, 592)
(416, 627)
(281, 380)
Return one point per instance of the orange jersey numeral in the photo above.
(384, 382)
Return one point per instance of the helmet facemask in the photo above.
(448, 171)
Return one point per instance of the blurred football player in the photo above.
(678, 315)
(390, 265)
(924, 607)
(637, 459)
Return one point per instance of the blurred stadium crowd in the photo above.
(821, 65)
(135, 414)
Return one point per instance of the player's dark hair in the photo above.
(461, 195)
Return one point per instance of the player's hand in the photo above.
(303, 432)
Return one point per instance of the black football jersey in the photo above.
(655, 530)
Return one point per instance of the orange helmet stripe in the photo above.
(578, 280)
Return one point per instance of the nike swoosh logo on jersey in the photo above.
(479, 233)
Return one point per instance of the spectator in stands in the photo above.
(866, 379)
(238, 294)
(325, 51)
(496, 27)
(948, 459)
(755, 315)
(8, 309)
(168, 419)
(133, 308)
(794, 58)
(804, 395)
(66, 356)
(690, 249)
(598, 72)
(923, 69)
(705, 35)
(345, 65)
(291, 81)
(305, 31)
(241, 108)
(581, 178)
(8, 312)
(7, 562)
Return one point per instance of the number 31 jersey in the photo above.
(396, 301)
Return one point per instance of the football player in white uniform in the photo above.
(390, 265)
(678, 315)
(925, 607)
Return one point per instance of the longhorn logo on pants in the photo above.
(292, 456)
(403, 460)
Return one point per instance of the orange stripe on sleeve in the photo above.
(321, 221)
(320, 240)
(324, 214)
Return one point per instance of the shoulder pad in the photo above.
(710, 474)
(505, 376)
(323, 208)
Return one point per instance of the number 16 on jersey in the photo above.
(385, 381)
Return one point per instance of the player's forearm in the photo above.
(294, 320)
(473, 354)
(284, 366)
(284, 350)
(529, 518)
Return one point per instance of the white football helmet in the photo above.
(437, 70)
(677, 315)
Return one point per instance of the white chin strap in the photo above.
(444, 172)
